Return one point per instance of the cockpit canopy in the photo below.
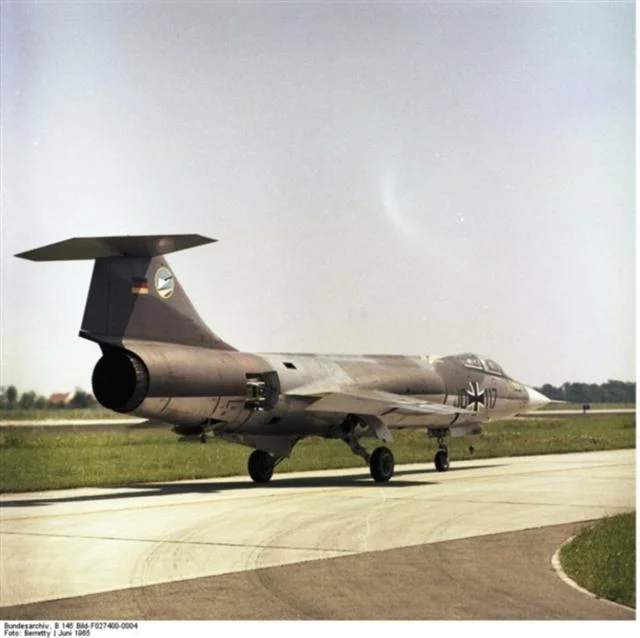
(473, 361)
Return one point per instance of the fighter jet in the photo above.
(161, 361)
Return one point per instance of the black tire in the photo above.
(260, 466)
(442, 460)
(381, 464)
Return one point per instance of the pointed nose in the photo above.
(537, 400)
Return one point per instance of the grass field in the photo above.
(49, 460)
(60, 413)
(602, 558)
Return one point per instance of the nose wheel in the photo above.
(441, 458)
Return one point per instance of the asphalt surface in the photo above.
(475, 542)
(495, 577)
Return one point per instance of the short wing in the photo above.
(378, 403)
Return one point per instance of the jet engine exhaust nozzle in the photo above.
(120, 381)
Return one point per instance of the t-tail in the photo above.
(134, 294)
(156, 350)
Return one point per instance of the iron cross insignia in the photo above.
(476, 396)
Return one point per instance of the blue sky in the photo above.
(410, 178)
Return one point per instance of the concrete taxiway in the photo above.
(72, 543)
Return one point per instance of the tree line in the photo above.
(611, 391)
(11, 399)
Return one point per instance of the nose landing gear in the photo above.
(441, 458)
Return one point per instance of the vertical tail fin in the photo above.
(134, 294)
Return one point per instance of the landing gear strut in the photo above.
(261, 465)
(381, 462)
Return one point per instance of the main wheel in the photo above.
(381, 464)
(261, 466)
(442, 460)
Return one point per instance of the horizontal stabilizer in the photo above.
(124, 246)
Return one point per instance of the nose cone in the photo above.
(537, 400)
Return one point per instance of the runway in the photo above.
(559, 414)
(72, 543)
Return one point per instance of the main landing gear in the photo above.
(261, 465)
(381, 464)
(381, 461)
